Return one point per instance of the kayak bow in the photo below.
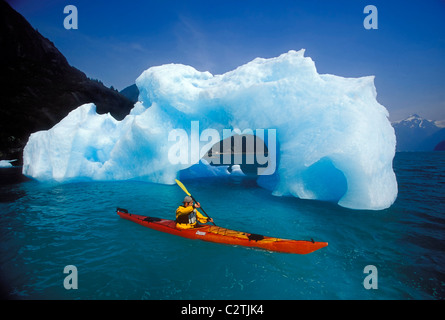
(225, 236)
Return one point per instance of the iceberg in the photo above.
(6, 163)
(331, 139)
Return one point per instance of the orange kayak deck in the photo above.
(225, 236)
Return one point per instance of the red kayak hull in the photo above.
(225, 236)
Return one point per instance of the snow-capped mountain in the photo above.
(418, 134)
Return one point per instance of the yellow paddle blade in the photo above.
(182, 187)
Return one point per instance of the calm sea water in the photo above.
(46, 226)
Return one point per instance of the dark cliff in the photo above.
(38, 87)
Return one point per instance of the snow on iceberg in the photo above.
(333, 139)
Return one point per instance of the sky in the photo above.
(117, 40)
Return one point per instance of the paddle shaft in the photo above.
(202, 210)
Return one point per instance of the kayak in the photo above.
(225, 236)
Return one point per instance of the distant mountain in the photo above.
(38, 87)
(440, 146)
(418, 134)
(131, 92)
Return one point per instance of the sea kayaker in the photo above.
(187, 216)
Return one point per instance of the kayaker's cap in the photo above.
(187, 199)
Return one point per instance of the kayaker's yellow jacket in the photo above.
(187, 217)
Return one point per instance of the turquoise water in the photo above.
(47, 226)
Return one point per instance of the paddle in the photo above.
(188, 193)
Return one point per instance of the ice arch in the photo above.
(330, 131)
